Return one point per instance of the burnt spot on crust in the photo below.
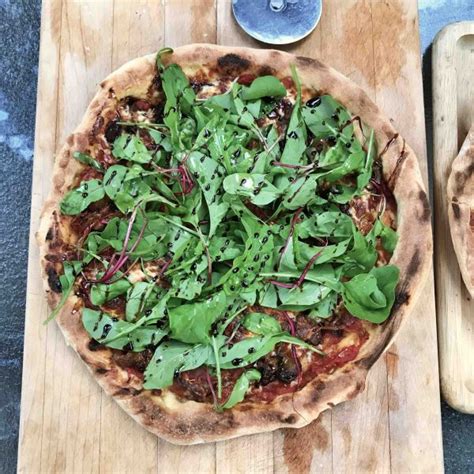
(94, 345)
(456, 210)
(401, 298)
(49, 234)
(414, 265)
(461, 178)
(303, 60)
(266, 71)
(112, 131)
(136, 361)
(126, 392)
(402, 294)
(317, 391)
(98, 124)
(290, 419)
(310, 62)
(426, 213)
(53, 279)
(232, 64)
(357, 389)
(393, 178)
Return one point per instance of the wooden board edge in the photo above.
(46, 100)
(444, 45)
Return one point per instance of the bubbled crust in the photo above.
(189, 422)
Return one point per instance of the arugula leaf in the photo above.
(119, 334)
(125, 187)
(301, 192)
(307, 294)
(249, 350)
(209, 178)
(268, 297)
(257, 257)
(189, 282)
(254, 186)
(137, 299)
(131, 148)
(388, 236)
(353, 162)
(323, 115)
(361, 257)
(264, 86)
(88, 160)
(324, 308)
(160, 138)
(370, 296)
(333, 224)
(261, 323)
(101, 292)
(192, 323)
(67, 280)
(241, 387)
(171, 357)
(296, 136)
(364, 177)
(79, 199)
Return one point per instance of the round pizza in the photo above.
(232, 239)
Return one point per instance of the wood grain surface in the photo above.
(453, 109)
(67, 423)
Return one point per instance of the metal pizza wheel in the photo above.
(277, 21)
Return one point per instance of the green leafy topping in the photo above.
(119, 334)
(264, 86)
(101, 292)
(79, 199)
(241, 387)
(192, 323)
(261, 323)
(171, 357)
(231, 204)
(371, 295)
(88, 160)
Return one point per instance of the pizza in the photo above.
(460, 190)
(232, 239)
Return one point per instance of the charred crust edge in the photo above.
(53, 279)
(426, 210)
(49, 234)
(456, 210)
(233, 63)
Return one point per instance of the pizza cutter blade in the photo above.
(277, 21)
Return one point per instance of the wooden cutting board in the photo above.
(453, 116)
(67, 423)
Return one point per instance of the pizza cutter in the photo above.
(277, 21)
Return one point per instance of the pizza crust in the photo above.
(189, 422)
(460, 191)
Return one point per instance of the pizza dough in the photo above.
(163, 412)
(460, 192)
